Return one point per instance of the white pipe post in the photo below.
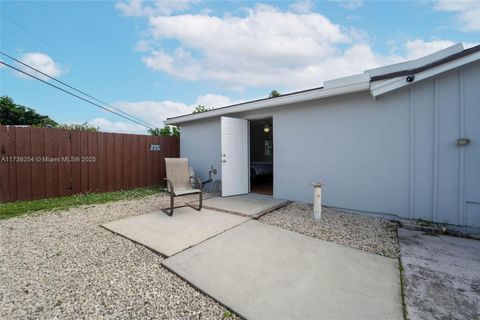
(317, 200)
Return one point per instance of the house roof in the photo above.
(427, 66)
(378, 81)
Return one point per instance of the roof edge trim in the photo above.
(380, 87)
(416, 63)
(301, 96)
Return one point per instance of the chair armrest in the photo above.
(198, 181)
(169, 185)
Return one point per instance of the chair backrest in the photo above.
(178, 173)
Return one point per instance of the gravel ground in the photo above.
(375, 235)
(63, 265)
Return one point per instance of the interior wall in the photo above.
(257, 142)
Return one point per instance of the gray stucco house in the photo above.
(400, 140)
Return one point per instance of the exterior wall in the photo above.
(200, 143)
(394, 155)
(470, 156)
(357, 147)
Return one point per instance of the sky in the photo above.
(158, 59)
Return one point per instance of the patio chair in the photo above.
(179, 182)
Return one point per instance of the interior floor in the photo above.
(262, 185)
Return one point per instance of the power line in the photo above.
(61, 82)
(73, 94)
(32, 34)
(77, 90)
(28, 13)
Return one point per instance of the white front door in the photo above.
(234, 156)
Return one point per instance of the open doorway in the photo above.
(261, 156)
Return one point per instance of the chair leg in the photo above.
(200, 198)
(171, 204)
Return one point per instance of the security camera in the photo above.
(410, 78)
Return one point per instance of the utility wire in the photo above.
(73, 94)
(32, 17)
(29, 14)
(32, 34)
(77, 90)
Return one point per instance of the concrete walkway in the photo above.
(265, 272)
(170, 235)
(442, 276)
(252, 205)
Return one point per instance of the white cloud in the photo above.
(42, 62)
(106, 125)
(143, 46)
(133, 8)
(266, 47)
(351, 4)
(136, 8)
(159, 61)
(419, 48)
(210, 100)
(467, 13)
(302, 6)
(170, 6)
(155, 112)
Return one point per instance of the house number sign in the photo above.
(155, 147)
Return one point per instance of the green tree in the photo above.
(81, 127)
(175, 131)
(167, 131)
(274, 94)
(154, 132)
(14, 114)
(200, 109)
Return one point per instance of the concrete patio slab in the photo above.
(253, 205)
(170, 235)
(265, 272)
(442, 276)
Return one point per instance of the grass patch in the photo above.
(427, 223)
(13, 209)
